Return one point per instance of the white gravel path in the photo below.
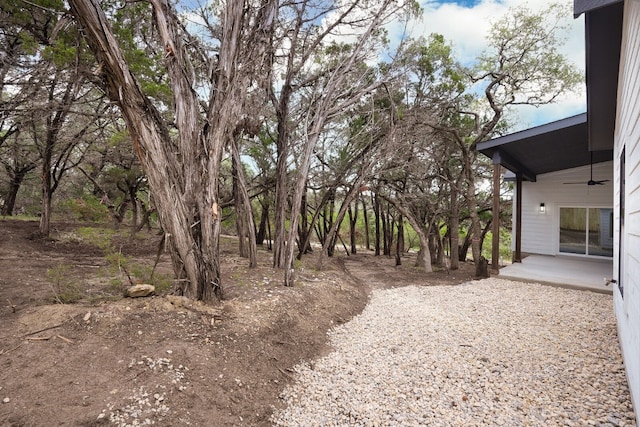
(486, 353)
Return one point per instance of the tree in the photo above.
(413, 179)
(182, 156)
(19, 158)
(22, 29)
(367, 138)
(244, 214)
(62, 134)
(521, 67)
(327, 78)
(51, 104)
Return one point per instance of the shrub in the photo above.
(65, 289)
(86, 208)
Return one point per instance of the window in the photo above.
(586, 231)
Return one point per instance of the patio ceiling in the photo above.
(567, 143)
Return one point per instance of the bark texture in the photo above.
(183, 172)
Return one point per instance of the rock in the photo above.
(141, 290)
(6, 400)
(475, 354)
(178, 301)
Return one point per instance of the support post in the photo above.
(495, 230)
(517, 256)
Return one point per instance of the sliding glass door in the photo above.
(586, 231)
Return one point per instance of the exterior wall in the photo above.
(540, 231)
(627, 138)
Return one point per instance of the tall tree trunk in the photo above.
(365, 216)
(133, 195)
(476, 229)
(384, 230)
(320, 212)
(440, 258)
(464, 247)
(454, 227)
(378, 219)
(190, 227)
(184, 173)
(281, 204)
(246, 233)
(332, 234)
(47, 195)
(353, 220)
(241, 229)
(17, 177)
(262, 227)
(304, 244)
(485, 230)
(424, 254)
(387, 230)
(298, 190)
(400, 241)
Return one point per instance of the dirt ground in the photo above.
(110, 360)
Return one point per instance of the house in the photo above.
(559, 211)
(599, 218)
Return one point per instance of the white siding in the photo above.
(540, 231)
(627, 137)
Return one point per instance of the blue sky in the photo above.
(466, 23)
(463, 3)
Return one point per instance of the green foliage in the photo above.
(436, 76)
(505, 245)
(22, 217)
(86, 208)
(97, 236)
(29, 43)
(65, 289)
(411, 239)
(523, 50)
(145, 60)
(60, 53)
(123, 269)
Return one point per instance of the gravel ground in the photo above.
(485, 353)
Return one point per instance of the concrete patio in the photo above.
(564, 271)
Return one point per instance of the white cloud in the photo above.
(467, 27)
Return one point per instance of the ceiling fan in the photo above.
(591, 180)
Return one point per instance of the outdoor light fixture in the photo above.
(542, 208)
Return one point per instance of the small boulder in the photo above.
(179, 301)
(141, 290)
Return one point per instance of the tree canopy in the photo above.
(281, 117)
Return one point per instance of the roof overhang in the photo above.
(548, 148)
(567, 143)
(603, 39)
(582, 6)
